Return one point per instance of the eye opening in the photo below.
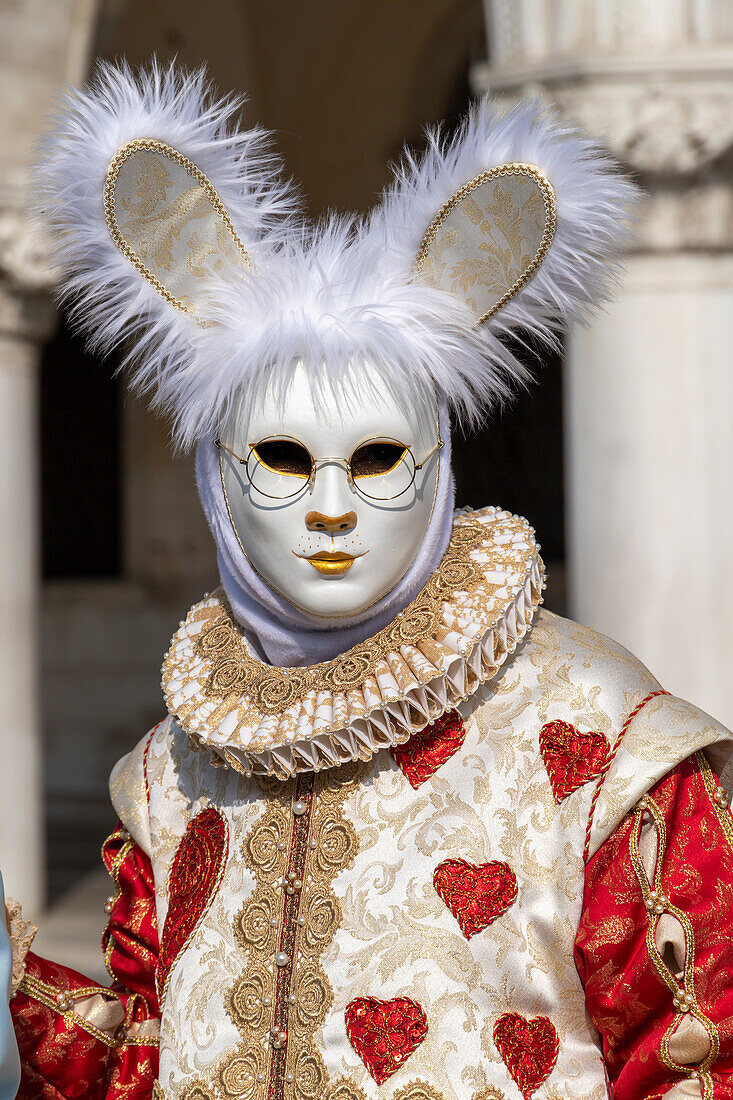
(284, 456)
(377, 458)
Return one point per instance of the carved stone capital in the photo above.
(23, 254)
(671, 125)
(26, 279)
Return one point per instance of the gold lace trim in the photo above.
(266, 999)
(22, 933)
(235, 671)
(699, 1072)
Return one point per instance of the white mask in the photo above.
(328, 546)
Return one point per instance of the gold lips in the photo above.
(331, 563)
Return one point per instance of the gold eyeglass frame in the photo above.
(315, 463)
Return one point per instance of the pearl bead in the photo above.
(283, 1036)
(282, 958)
(281, 845)
(267, 1001)
(299, 808)
(292, 876)
(273, 922)
(290, 890)
(298, 884)
(248, 775)
(313, 844)
(289, 1078)
(292, 999)
(301, 922)
(260, 1077)
(62, 1001)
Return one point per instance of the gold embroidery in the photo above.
(274, 689)
(195, 1092)
(509, 232)
(417, 1090)
(278, 1007)
(149, 233)
(344, 1089)
(491, 1092)
(656, 902)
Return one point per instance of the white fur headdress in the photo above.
(179, 237)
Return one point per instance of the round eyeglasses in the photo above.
(281, 467)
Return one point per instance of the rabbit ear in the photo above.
(167, 219)
(489, 238)
(157, 201)
(519, 218)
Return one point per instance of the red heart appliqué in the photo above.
(529, 1049)
(425, 752)
(476, 894)
(385, 1033)
(571, 757)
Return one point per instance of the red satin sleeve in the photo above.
(130, 940)
(80, 1039)
(654, 947)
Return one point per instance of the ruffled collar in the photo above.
(454, 636)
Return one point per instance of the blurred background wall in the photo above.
(621, 456)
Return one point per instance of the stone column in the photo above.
(24, 320)
(649, 387)
(41, 46)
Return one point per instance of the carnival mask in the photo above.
(180, 238)
(330, 504)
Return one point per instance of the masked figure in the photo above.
(402, 834)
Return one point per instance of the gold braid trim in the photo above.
(108, 942)
(656, 903)
(48, 995)
(268, 1001)
(718, 796)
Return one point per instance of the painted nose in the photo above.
(334, 525)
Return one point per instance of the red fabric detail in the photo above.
(425, 752)
(572, 758)
(130, 939)
(133, 1072)
(628, 1001)
(194, 877)
(528, 1048)
(58, 1057)
(476, 894)
(385, 1033)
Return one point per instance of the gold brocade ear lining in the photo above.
(165, 216)
(487, 241)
